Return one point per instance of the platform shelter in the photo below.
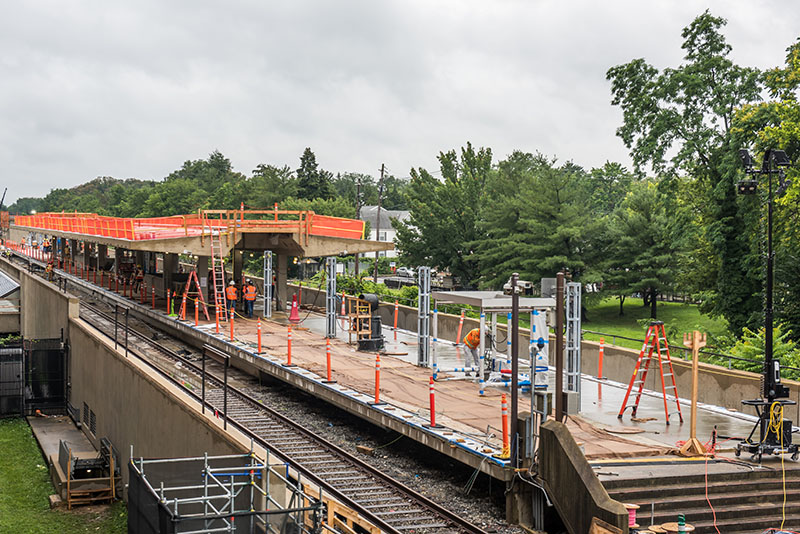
(87, 237)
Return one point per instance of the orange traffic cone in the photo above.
(294, 315)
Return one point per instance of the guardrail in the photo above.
(687, 352)
(304, 223)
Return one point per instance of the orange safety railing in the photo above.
(302, 223)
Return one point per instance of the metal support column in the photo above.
(330, 297)
(424, 316)
(267, 283)
(573, 346)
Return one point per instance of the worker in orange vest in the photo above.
(250, 293)
(473, 340)
(231, 295)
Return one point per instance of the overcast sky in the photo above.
(133, 89)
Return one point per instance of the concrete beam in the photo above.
(279, 243)
(170, 268)
(237, 266)
(102, 255)
(280, 268)
(202, 275)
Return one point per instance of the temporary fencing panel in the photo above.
(45, 363)
(11, 380)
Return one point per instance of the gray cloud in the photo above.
(92, 88)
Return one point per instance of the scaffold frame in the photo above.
(330, 297)
(424, 316)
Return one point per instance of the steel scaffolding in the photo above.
(330, 298)
(231, 493)
(573, 347)
(424, 317)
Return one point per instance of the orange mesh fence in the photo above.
(134, 229)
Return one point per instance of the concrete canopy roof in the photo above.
(278, 243)
(492, 301)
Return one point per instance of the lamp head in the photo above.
(747, 187)
(779, 158)
(746, 158)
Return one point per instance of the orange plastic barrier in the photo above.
(304, 223)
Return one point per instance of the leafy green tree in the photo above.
(679, 122)
(25, 205)
(641, 257)
(174, 197)
(442, 229)
(534, 220)
(268, 185)
(334, 207)
(313, 182)
(609, 185)
(775, 124)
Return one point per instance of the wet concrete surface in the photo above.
(601, 400)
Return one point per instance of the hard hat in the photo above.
(232, 283)
(249, 281)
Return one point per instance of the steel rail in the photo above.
(356, 463)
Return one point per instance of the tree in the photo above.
(534, 220)
(609, 185)
(679, 122)
(313, 182)
(268, 185)
(442, 228)
(775, 124)
(641, 257)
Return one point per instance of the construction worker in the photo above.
(49, 271)
(473, 340)
(231, 295)
(138, 279)
(250, 293)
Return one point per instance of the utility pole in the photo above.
(513, 331)
(378, 223)
(560, 347)
(358, 213)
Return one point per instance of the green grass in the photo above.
(678, 318)
(25, 486)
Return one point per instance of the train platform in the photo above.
(468, 424)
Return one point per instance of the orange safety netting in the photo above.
(304, 223)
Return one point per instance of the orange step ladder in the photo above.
(188, 294)
(655, 347)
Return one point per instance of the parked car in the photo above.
(405, 271)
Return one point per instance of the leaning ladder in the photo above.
(654, 343)
(218, 271)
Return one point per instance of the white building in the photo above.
(387, 232)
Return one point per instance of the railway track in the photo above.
(388, 504)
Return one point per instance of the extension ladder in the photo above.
(655, 346)
(189, 294)
(218, 271)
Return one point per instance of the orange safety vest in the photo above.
(473, 338)
(230, 292)
(250, 292)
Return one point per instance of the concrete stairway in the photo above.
(745, 503)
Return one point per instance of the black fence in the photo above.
(33, 376)
(11, 380)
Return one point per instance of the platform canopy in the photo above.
(295, 233)
(492, 301)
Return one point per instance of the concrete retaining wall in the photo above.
(133, 405)
(576, 491)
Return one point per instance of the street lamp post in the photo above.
(774, 394)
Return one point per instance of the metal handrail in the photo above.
(687, 351)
